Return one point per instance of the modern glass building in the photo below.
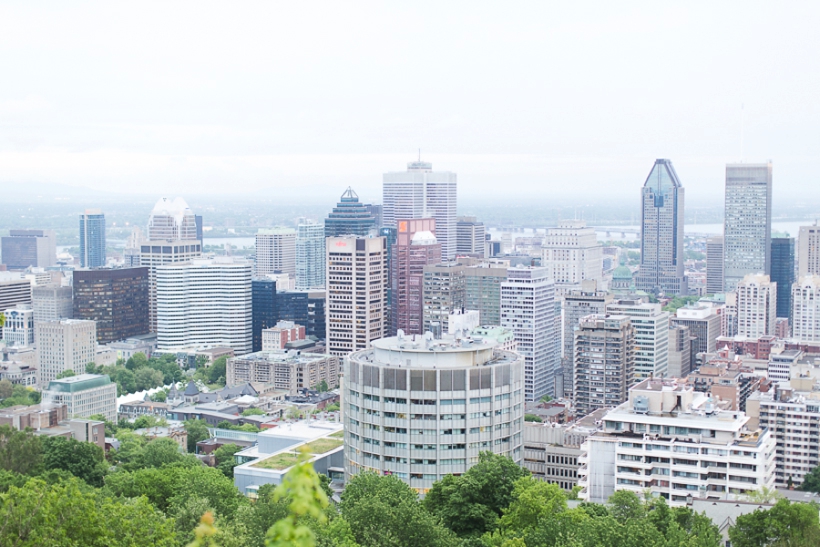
(662, 257)
(350, 217)
(92, 239)
(117, 299)
(783, 273)
(263, 304)
(310, 255)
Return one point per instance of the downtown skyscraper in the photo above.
(420, 192)
(747, 230)
(662, 257)
(310, 255)
(350, 217)
(92, 239)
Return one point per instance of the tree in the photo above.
(811, 482)
(533, 418)
(545, 399)
(160, 452)
(322, 386)
(65, 374)
(84, 460)
(533, 500)
(253, 412)
(20, 451)
(197, 431)
(764, 494)
(625, 505)
(217, 371)
(471, 504)
(225, 460)
(147, 378)
(6, 388)
(793, 524)
(136, 361)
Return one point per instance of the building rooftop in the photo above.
(80, 382)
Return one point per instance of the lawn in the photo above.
(320, 446)
(279, 461)
(338, 435)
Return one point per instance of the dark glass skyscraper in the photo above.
(92, 239)
(783, 273)
(350, 217)
(264, 312)
(117, 299)
(662, 256)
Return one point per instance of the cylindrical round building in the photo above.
(420, 408)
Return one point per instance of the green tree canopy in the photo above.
(20, 451)
(84, 460)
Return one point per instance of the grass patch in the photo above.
(338, 435)
(320, 446)
(278, 462)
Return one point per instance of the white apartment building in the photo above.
(67, 344)
(674, 442)
(204, 304)
(356, 306)
(528, 308)
(420, 192)
(287, 370)
(651, 336)
(422, 409)
(756, 306)
(310, 256)
(571, 254)
(276, 251)
(808, 251)
(85, 395)
(18, 329)
(806, 309)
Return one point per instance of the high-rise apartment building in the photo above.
(806, 309)
(444, 291)
(68, 344)
(420, 192)
(276, 251)
(22, 249)
(482, 289)
(470, 237)
(424, 409)
(528, 308)
(203, 304)
(808, 251)
(747, 228)
(651, 336)
(572, 254)
(714, 265)
(356, 292)
(52, 302)
(92, 239)
(116, 299)
(416, 247)
(680, 351)
(350, 217)
(18, 329)
(662, 258)
(604, 361)
(577, 304)
(756, 306)
(310, 255)
(783, 273)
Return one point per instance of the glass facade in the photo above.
(783, 273)
(116, 299)
(263, 303)
(350, 217)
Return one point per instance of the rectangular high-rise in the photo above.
(416, 247)
(420, 192)
(275, 252)
(470, 237)
(714, 265)
(356, 292)
(482, 289)
(747, 222)
(92, 239)
(528, 308)
(783, 273)
(806, 309)
(577, 304)
(14, 290)
(68, 344)
(443, 292)
(572, 254)
(23, 249)
(263, 306)
(52, 302)
(310, 255)
(756, 306)
(117, 299)
(651, 336)
(808, 251)
(662, 259)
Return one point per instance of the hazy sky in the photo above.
(542, 98)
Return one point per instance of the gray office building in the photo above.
(714, 265)
(577, 304)
(748, 222)
(22, 249)
(662, 258)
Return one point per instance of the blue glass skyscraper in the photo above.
(783, 273)
(92, 239)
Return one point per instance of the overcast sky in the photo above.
(548, 99)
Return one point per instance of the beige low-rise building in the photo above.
(287, 370)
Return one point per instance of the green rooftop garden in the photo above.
(278, 462)
(326, 444)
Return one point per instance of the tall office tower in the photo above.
(390, 235)
(651, 336)
(703, 323)
(14, 290)
(444, 375)
(172, 220)
(356, 292)
(421, 193)
(203, 304)
(572, 254)
(116, 299)
(747, 228)
(52, 302)
(680, 351)
(443, 291)
(714, 265)
(528, 308)
(577, 304)
(806, 309)
(604, 361)
(783, 273)
(67, 344)
(350, 217)
(376, 212)
(482, 289)
(22, 249)
(661, 268)
(808, 251)
(263, 306)
(92, 239)
(199, 228)
(303, 308)
(416, 247)
(470, 237)
(310, 255)
(756, 306)
(275, 251)
(18, 329)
